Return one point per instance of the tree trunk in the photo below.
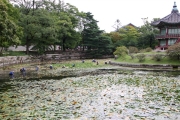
(63, 44)
(27, 49)
(1, 50)
(27, 46)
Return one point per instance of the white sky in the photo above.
(127, 11)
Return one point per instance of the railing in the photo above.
(167, 36)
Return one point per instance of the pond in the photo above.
(115, 94)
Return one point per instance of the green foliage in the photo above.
(148, 49)
(158, 57)
(129, 36)
(105, 45)
(115, 36)
(97, 44)
(68, 37)
(121, 51)
(80, 64)
(141, 57)
(174, 51)
(132, 56)
(50, 25)
(10, 32)
(142, 50)
(133, 49)
(148, 59)
(16, 53)
(147, 38)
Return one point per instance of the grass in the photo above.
(80, 64)
(152, 53)
(148, 60)
(14, 53)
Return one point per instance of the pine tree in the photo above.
(95, 43)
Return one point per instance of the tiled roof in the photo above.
(130, 24)
(173, 18)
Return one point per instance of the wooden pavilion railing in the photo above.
(167, 36)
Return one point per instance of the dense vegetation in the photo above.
(44, 24)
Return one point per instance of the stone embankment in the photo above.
(154, 66)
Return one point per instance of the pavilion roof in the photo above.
(173, 18)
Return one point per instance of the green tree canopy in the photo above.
(147, 36)
(10, 32)
(129, 35)
(93, 39)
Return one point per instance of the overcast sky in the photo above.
(127, 11)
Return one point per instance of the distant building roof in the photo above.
(130, 24)
(173, 18)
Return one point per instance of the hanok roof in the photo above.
(130, 24)
(173, 18)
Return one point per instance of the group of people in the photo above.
(22, 71)
(97, 63)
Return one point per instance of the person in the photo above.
(93, 60)
(23, 71)
(11, 74)
(73, 65)
(37, 68)
(51, 67)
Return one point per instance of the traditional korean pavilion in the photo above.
(169, 27)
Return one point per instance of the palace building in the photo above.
(169, 27)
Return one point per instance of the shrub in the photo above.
(141, 57)
(148, 49)
(158, 57)
(142, 50)
(132, 56)
(174, 51)
(133, 49)
(121, 51)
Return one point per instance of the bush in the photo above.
(132, 56)
(174, 51)
(148, 49)
(121, 51)
(141, 57)
(158, 57)
(142, 50)
(133, 50)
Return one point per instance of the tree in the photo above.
(115, 36)
(45, 36)
(129, 35)
(105, 45)
(91, 34)
(49, 23)
(28, 21)
(147, 36)
(66, 24)
(10, 32)
(94, 40)
(117, 25)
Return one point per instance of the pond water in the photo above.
(128, 95)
